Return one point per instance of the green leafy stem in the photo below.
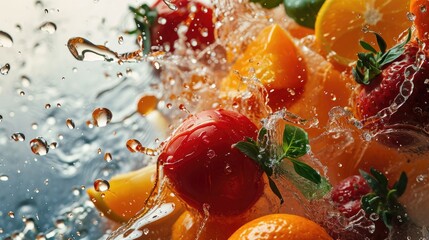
(144, 18)
(295, 144)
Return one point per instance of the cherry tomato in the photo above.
(204, 169)
(194, 15)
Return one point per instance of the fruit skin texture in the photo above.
(281, 226)
(199, 22)
(277, 63)
(347, 197)
(420, 9)
(203, 168)
(381, 92)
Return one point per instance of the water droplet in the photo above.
(58, 105)
(53, 145)
(156, 65)
(76, 192)
(170, 5)
(423, 8)
(374, 217)
(149, 151)
(25, 81)
(101, 185)
(162, 21)
(39, 146)
(47, 106)
(1, 118)
(11, 214)
(134, 145)
(411, 16)
(107, 157)
(5, 40)
(48, 27)
(5, 69)
(147, 104)
(169, 105)
(120, 40)
(70, 124)
(420, 178)
(119, 75)
(211, 154)
(101, 117)
(4, 178)
(18, 137)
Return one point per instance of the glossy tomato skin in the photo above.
(197, 17)
(204, 169)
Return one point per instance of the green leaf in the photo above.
(381, 43)
(304, 12)
(144, 19)
(249, 149)
(367, 46)
(262, 135)
(381, 179)
(387, 217)
(306, 171)
(401, 184)
(295, 142)
(275, 189)
(372, 182)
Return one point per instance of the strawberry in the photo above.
(159, 24)
(385, 78)
(370, 193)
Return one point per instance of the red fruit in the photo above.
(382, 90)
(347, 197)
(348, 193)
(197, 17)
(203, 168)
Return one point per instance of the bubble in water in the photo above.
(101, 185)
(101, 117)
(5, 69)
(108, 157)
(4, 178)
(147, 104)
(5, 40)
(39, 146)
(70, 124)
(48, 27)
(134, 145)
(34, 126)
(18, 137)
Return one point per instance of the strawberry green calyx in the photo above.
(295, 145)
(383, 200)
(369, 65)
(144, 18)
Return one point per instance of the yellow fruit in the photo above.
(277, 63)
(340, 25)
(281, 226)
(126, 197)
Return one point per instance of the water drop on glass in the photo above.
(101, 185)
(48, 27)
(18, 137)
(70, 124)
(5, 69)
(39, 146)
(134, 145)
(5, 40)
(101, 117)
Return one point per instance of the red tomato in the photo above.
(197, 17)
(204, 169)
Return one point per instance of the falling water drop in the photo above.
(39, 146)
(70, 124)
(101, 117)
(5, 40)
(48, 27)
(18, 137)
(134, 145)
(108, 157)
(5, 69)
(101, 185)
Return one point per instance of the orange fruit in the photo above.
(127, 196)
(281, 226)
(420, 10)
(339, 25)
(277, 63)
(187, 227)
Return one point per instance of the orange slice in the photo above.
(341, 24)
(126, 197)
